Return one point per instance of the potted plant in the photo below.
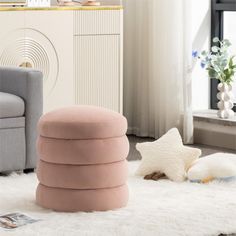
(220, 65)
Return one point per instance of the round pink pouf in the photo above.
(82, 165)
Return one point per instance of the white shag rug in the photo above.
(161, 208)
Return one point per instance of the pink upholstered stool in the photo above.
(82, 164)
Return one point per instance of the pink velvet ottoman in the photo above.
(82, 165)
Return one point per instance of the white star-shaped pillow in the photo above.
(167, 155)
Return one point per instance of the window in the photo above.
(223, 25)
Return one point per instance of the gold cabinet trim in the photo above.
(62, 8)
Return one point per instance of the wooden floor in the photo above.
(135, 155)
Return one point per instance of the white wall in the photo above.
(201, 26)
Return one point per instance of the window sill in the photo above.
(210, 116)
(213, 131)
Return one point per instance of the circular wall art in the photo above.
(30, 48)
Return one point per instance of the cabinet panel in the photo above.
(11, 36)
(10, 21)
(97, 22)
(53, 32)
(42, 40)
(82, 69)
(97, 71)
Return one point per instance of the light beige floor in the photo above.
(134, 154)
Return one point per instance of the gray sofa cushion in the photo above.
(12, 147)
(11, 105)
(8, 123)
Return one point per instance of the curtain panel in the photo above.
(157, 67)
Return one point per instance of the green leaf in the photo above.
(213, 57)
(212, 73)
(215, 40)
(214, 49)
(231, 62)
(227, 43)
(204, 53)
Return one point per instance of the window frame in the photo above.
(218, 7)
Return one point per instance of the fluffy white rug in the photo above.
(155, 208)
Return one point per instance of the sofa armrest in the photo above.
(27, 84)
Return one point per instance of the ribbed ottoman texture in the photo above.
(82, 165)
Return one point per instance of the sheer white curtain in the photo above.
(157, 64)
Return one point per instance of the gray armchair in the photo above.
(21, 104)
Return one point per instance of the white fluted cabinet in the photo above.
(78, 49)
